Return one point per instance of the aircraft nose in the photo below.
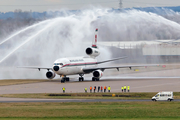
(56, 68)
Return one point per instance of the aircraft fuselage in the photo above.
(73, 66)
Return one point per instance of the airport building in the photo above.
(159, 51)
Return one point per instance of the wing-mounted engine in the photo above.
(50, 74)
(98, 74)
(93, 52)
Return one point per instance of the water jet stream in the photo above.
(26, 41)
(23, 30)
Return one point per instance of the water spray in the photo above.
(25, 29)
(26, 41)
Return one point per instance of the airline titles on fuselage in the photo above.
(76, 60)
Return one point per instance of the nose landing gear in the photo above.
(64, 79)
(81, 78)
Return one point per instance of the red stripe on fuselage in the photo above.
(73, 64)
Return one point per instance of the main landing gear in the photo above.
(81, 78)
(65, 79)
(95, 79)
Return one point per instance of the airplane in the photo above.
(81, 65)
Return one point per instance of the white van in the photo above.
(163, 96)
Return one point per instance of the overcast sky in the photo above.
(44, 5)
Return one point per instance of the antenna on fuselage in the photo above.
(94, 45)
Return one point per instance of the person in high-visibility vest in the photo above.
(90, 88)
(63, 89)
(94, 89)
(128, 88)
(104, 88)
(109, 88)
(85, 89)
(98, 88)
(124, 88)
(101, 88)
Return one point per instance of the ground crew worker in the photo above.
(85, 89)
(128, 88)
(63, 89)
(98, 88)
(101, 88)
(104, 88)
(109, 88)
(94, 89)
(124, 88)
(90, 88)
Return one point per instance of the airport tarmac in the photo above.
(153, 81)
(136, 85)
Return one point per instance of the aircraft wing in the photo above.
(111, 60)
(39, 68)
(89, 70)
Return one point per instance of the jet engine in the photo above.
(92, 52)
(50, 74)
(98, 74)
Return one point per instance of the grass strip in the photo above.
(96, 110)
(143, 95)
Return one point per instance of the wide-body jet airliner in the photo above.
(82, 65)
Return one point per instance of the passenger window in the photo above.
(60, 63)
(162, 95)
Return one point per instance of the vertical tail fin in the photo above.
(93, 51)
(94, 44)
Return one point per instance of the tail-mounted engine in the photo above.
(93, 52)
(98, 74)
(50, 74)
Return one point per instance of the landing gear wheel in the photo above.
(95, 79)
(67, 79)
(62, 81)
(81, 79)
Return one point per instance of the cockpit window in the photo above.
(58, 63)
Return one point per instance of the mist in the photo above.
(69, 35)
